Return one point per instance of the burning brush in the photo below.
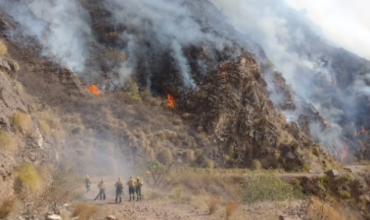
(171, 102)
(94, 90)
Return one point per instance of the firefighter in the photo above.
(87, 183)
(119, 191)
(139, 184)
(131, 188)
(101, 193)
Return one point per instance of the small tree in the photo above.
(157, 173)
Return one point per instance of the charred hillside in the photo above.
(172, 92)
(218, 85)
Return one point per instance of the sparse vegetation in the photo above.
(28, 176)
(268, 187)
(50, 125)
(157, 173)
(7, 142)
(85, 212)
(22, 122)
(190, 156)
(134, 92)
(7, 207)
(231, 208)
(319, 210)
(165, 156)
(256, 165)
(213, 204)
(3, 48)
(44, 127)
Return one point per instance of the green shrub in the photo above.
(165, 156)
(29, 177)
(269, 188)
(157, 173)
(7, 142)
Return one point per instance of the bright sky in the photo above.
(345, 22)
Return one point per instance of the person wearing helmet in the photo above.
(119, 190)
(139, 184)
(131, 188)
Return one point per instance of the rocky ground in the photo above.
(163, 204)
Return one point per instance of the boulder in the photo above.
(9, 65)
(332, 173)
(284, 217)
(53, 217)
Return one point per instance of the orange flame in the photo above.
(171, 102)
(94, 90)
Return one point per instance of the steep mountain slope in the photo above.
(137, 60)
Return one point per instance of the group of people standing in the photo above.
(134, 189)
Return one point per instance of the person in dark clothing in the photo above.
(131, 188)
(139, 184)
(119, 191)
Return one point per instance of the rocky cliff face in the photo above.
(229, 101)
(233, 105)
(20, 138)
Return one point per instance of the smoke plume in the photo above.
(309, 63)
(61, 26)
(152, 36)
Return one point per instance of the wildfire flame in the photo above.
(94, 90)
(171, 102)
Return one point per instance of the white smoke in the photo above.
(169, 24)
(60, 26)
(338, 20)
(183, 64)
(291, 42)
(297, 49)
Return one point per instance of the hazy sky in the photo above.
(345, 22)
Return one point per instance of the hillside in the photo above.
(198, 121)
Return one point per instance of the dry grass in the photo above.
(8, 143)
(85, 212)
(3, 48)
(22, 122)
(256, 165)
(213, 204)
(30, 177)
(45, 128)
(134, 93)
(115, 55)
(7, 207)
(165, 156)
(180, 196)
(319, 210)
(207, 182)
(50, 125)
(230, 209)
(190, 156)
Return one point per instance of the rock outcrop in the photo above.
(234, 106)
